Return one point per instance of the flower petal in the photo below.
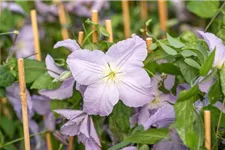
(134, 87)
(50, 65)
(49, 121)
(93, 133)
(69, 44)
(129, 148)
(69, 114)
(128, 52)
(63, 92)
(87, 67)
(70, 128)
(99, 98)
(165, 112)
(215, 42)
(169, 81)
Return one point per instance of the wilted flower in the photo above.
(66, 88)
(13, 7)
(80, 124)
(215, 43)
(118, 74)
(24, 45)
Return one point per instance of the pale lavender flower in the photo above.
(41, 105)
(24, 45)
(215, 43)
(13, 7)
(173, 143)
(80, 124)
(67, 86)
(129, 148)
(157, 113)
(119, 71)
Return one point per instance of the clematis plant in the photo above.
(118, 71)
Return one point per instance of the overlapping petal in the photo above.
(87, 67)
(99, 98)
(72, 45)
(53, 70)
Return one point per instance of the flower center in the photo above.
(112, 75)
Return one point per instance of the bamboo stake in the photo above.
(126, 18)
(162, 15)
(36, 34)
(70, 147)
(108, 24)
(95, 20)
(207, 122)
(63, 20)
(144, 10)
(80, 37)
(23, 97)
(148, 42)
(48, 140)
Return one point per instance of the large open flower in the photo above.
(118, 74)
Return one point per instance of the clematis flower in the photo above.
(41, 105)
(215, 43)
(157, 113)
(80, 124)
(66, 88)
(129, 148)
(12, 93)
(24, 45)
(118, 74)
(13, 7)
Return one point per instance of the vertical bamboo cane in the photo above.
(23, 97)
(80, 37)
(38, 58)
(36, 34)
(207, 123)
(148, 42)
(126, 18)
(62, 20)
(95, 20)
(144, 10)
(108, 24)
(162, 15)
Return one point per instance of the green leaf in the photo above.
(45, 82)
(119, 145)
(192, 63)
(150, 136)
(6, 78)
(2, 92)
(2, 139)
(168, 68)
(185, 119)
(147, 23)
(222, 79)
(204, 9)
(188, 53)
(119, 119)
(188, 37)
(57, 104)
(207, 65)
(215, 92)
(168, 49)
(103, 31)
(33, 69)
(174, 42)
(8, 126)
(187, 94)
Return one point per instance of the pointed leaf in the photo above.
(174, 42)
(207, 64)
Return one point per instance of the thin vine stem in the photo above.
(214, 17)
(220, 117)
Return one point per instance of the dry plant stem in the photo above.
(207, 124)
(108, 24)
(162, 15)
(95, 20)
(144, 10)
(23, 97)
(33, 15)
(148, 42)
(63, 20)
(126, 18)
(80, 37)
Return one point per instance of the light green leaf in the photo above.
(147, 23)
(103, 31)
(45, 82)
(215, 92)
(168, 49)
(207, 65)
(6, 78)
(188, 53)
(174, 42)
(222, 79)
(2, 92)
(150, 136)
(187, 94)
(192, 63)
(204, 9)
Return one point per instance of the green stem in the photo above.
(220, 117)
(13, 32)
(214, 17)
(87, 36)
(20, 139)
